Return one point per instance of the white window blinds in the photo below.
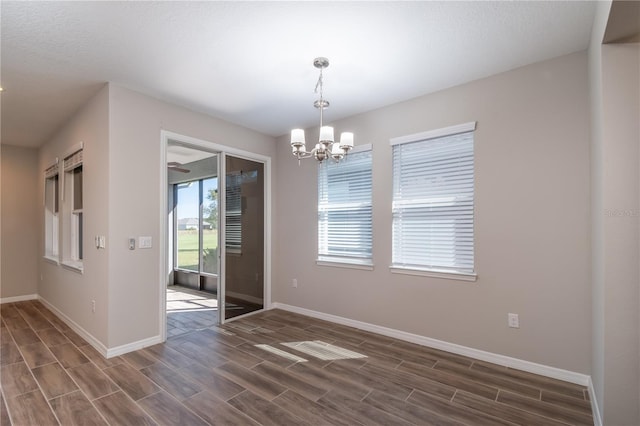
(344, 209)
(433, 201)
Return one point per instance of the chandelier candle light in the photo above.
(326, 147)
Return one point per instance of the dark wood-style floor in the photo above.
(242, 374)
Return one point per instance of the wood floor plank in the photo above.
(450, 380)
(37, 354)
(139, 359)
(488, 379)
(167, 411)
(263, 411)
(201, 355)
(345, 369)
(266, 355)
(251, 380)
(4, 413)
(9, 353)
(74, 337)
(290, 380)
(545, 383)
(217, 412)
(179, 386)
(16, 379)
(456, 412)
(502, 411)
(52, 336)
(31, 409)
(362, 412)
(428, 386)
(15, 323)
(169, 356)
(409, 412)
(74, 409)
(134, 383)
(53, 380)
(24, 336)
(544, 409)
(329, 380)
(97, 358)
(434, 353)
(68, 355)
(568, 402)
(119, 409)
(214, 382)
(409, 356)
(92, 381)
(310, 412)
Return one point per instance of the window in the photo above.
(433, 202)
(196, 238)
(74, 220)
(344, 209)
(51, 207)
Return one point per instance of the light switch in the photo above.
(100, 241)
(144, 242)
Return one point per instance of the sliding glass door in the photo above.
(244, 237)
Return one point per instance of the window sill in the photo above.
(345, 264)
(51, 259)
(460, 276)
(74, 266)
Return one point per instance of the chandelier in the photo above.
(326, 146)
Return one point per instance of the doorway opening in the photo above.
(215, 256)
(192, 290)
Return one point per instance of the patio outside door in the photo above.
(244, 237)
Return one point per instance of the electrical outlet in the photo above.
(513, 320)
(132, 243)
(294, 283)
(93, 306)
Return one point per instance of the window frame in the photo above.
(52, 213)
(326, 259)
(72, 210)
(430, 271)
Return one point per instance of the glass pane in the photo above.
(77, 188)
(244, 235)
(210, 225)
(187, 220)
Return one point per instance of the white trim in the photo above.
(133, 346)
(345, 264)
(595, 409)
(13, 299)
(51, 259)
(75, 327)
(460, 276)
(73, 265)
(436, 133)
(506, 361)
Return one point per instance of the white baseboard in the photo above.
(595, 409)
(134, 346)
(104, 351)
(18, 298)
(519, 364)
(97, 344)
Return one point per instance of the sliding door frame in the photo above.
(222, 150)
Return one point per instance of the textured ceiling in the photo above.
(251, 62)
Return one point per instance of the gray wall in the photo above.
(21, 212)
(531, 221)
